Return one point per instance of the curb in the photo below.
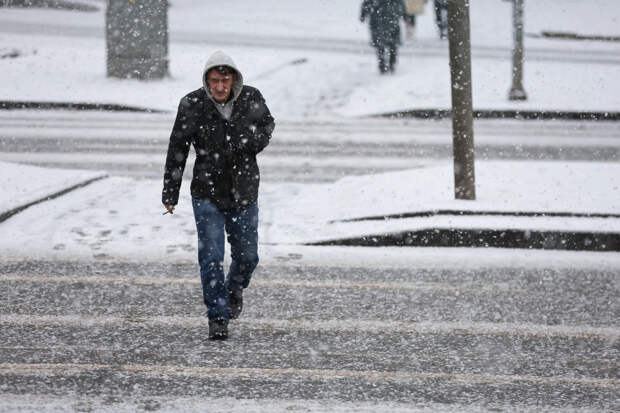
(51, 4)
(483, 238)
(7, 214)
(111, 107)
(486, 238)
(432, 114)
(438, 114)
(464, 212)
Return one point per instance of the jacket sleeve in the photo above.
(365, 10)
(178, 149)
(257, 134)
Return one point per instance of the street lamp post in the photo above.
(516, 91)
(462, 112)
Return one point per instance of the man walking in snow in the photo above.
(384, 18)
(228, 124)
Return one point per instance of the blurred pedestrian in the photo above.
(412, 9)
(384, 16)
(228, 124)
(441, 17)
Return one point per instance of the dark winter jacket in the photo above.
(384, 18)
(225, 169)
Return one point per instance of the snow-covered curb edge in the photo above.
(7, 214)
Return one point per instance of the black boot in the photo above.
(443, 33)
(381, 59)
(235, 302)
(218, 330)
(393, 55)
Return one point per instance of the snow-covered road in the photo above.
(423, 48)
(301, 151)
(101, 303)
(475, 337)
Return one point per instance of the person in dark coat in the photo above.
(384, 16)
(441, 17)
(228, 124)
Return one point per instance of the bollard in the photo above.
(516, 91)
(137, 39)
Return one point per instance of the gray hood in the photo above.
(219, 58)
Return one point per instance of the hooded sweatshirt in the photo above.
(219, 58)
(226, 139)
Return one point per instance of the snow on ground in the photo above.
(549, 86)
(122, 217)
(501, 187)
(21, 184)
(72, 67)
(63, 59)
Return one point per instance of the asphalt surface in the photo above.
(107, 335)
(134, 144)
(503, 336)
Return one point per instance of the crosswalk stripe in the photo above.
(333, 325)
(392, 286)
(320, 374)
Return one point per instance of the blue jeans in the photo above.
(242, 230)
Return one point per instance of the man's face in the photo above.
(220, 85)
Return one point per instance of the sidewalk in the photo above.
(520, 204)
(24, 186)
(333, 81)
(557, 205)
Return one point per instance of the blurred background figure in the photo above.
(412, 8)
(384, 16)
(441, 17)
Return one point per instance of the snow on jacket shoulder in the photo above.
(225, 170)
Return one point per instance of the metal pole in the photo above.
(462, 112)
(516, 91)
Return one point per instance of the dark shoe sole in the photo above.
(218, 331)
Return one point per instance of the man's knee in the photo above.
(211, 265)
(247, 259)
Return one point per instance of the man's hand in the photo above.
(169, 209)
